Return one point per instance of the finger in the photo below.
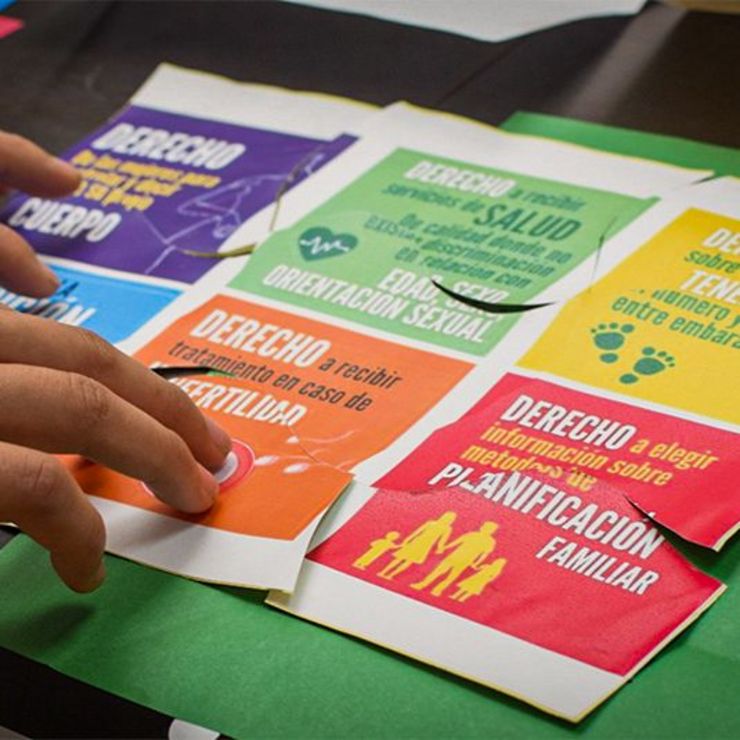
(39, 495)
(27, 167)
(21, 270)
(54, 411)
(31, 340)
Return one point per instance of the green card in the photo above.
(366, 253)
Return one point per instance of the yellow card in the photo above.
(663, 326)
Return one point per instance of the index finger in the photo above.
(31, 340)
(27, 167)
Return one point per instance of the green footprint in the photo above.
(610, 337)
(651, 363)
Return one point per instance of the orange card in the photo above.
(306, 401)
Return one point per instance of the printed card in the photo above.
(663, 326)
(368, 253)
(304, 402)
(168, 176)
(680, 472)
(548, 593)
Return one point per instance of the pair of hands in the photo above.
(65, 390)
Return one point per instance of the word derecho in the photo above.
(264, 340)
(175, 147)
(467, 181)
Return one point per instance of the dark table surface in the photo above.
(664, 70)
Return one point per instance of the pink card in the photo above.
(678, 471)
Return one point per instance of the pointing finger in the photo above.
(27, 167)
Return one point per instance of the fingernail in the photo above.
(220, 438)
(210, 485)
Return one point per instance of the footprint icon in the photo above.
(651, 363)
(610, 337)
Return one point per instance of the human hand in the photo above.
(66, 390)
(27, 167)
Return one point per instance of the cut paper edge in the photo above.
(643, 506)
(172, 88)
(159, 541)
(488, 307)
(725, 538)
(697, 176)
(276, 602)
(512, 21)
(313, 613)
(714, 545)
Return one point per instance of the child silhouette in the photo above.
(475, 584)
(377, 549)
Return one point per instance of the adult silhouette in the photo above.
(468, 551)
(416, 548)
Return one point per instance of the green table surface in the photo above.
(668, 149)
(220, 658)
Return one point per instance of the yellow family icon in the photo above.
(418, 546)
(468, 551)
(475, 585)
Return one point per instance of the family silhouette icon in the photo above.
(466, 557)
(475, 585)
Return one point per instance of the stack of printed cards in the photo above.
(504, 463)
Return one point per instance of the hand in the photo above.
(65, 390)
(26, 167)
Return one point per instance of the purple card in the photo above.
(156, 184)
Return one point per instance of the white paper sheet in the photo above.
(487, 20)
(190, 92)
